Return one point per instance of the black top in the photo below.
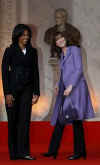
(19, 70)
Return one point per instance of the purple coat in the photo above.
(72, 74)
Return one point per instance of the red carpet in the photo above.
(40, 136)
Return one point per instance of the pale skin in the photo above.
(61, 42)
(9, 99)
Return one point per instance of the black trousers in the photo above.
(19, 123)
(79, 140)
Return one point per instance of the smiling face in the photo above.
(60, 41)
(24, 38)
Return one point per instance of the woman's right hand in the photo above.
(56, 89)
(9, 100)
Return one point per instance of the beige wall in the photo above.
(85, 15)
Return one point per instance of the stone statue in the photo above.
(72, 32)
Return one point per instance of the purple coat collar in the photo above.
(68, 53)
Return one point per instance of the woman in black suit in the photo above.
(20, 78)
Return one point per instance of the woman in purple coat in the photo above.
(73, 103)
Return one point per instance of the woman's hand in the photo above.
(56, 89)
(68, 90)
(35, 99)
(9, 100)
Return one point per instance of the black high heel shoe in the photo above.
(77, 156)
(48, 154)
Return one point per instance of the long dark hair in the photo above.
(69, 42)
(55, 48)
(18, 31)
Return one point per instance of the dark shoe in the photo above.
(48, 154)
(76, 156)
(27, 157)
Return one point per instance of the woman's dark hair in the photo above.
(56, 48)
(18, 31)
(69, 42)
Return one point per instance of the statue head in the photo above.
(61, 16)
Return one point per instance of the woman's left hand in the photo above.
(35, 99)
(68, 90)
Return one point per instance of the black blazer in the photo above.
(19, 70)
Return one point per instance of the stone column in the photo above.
(24, 11)
(7, 22)
(53, 61)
